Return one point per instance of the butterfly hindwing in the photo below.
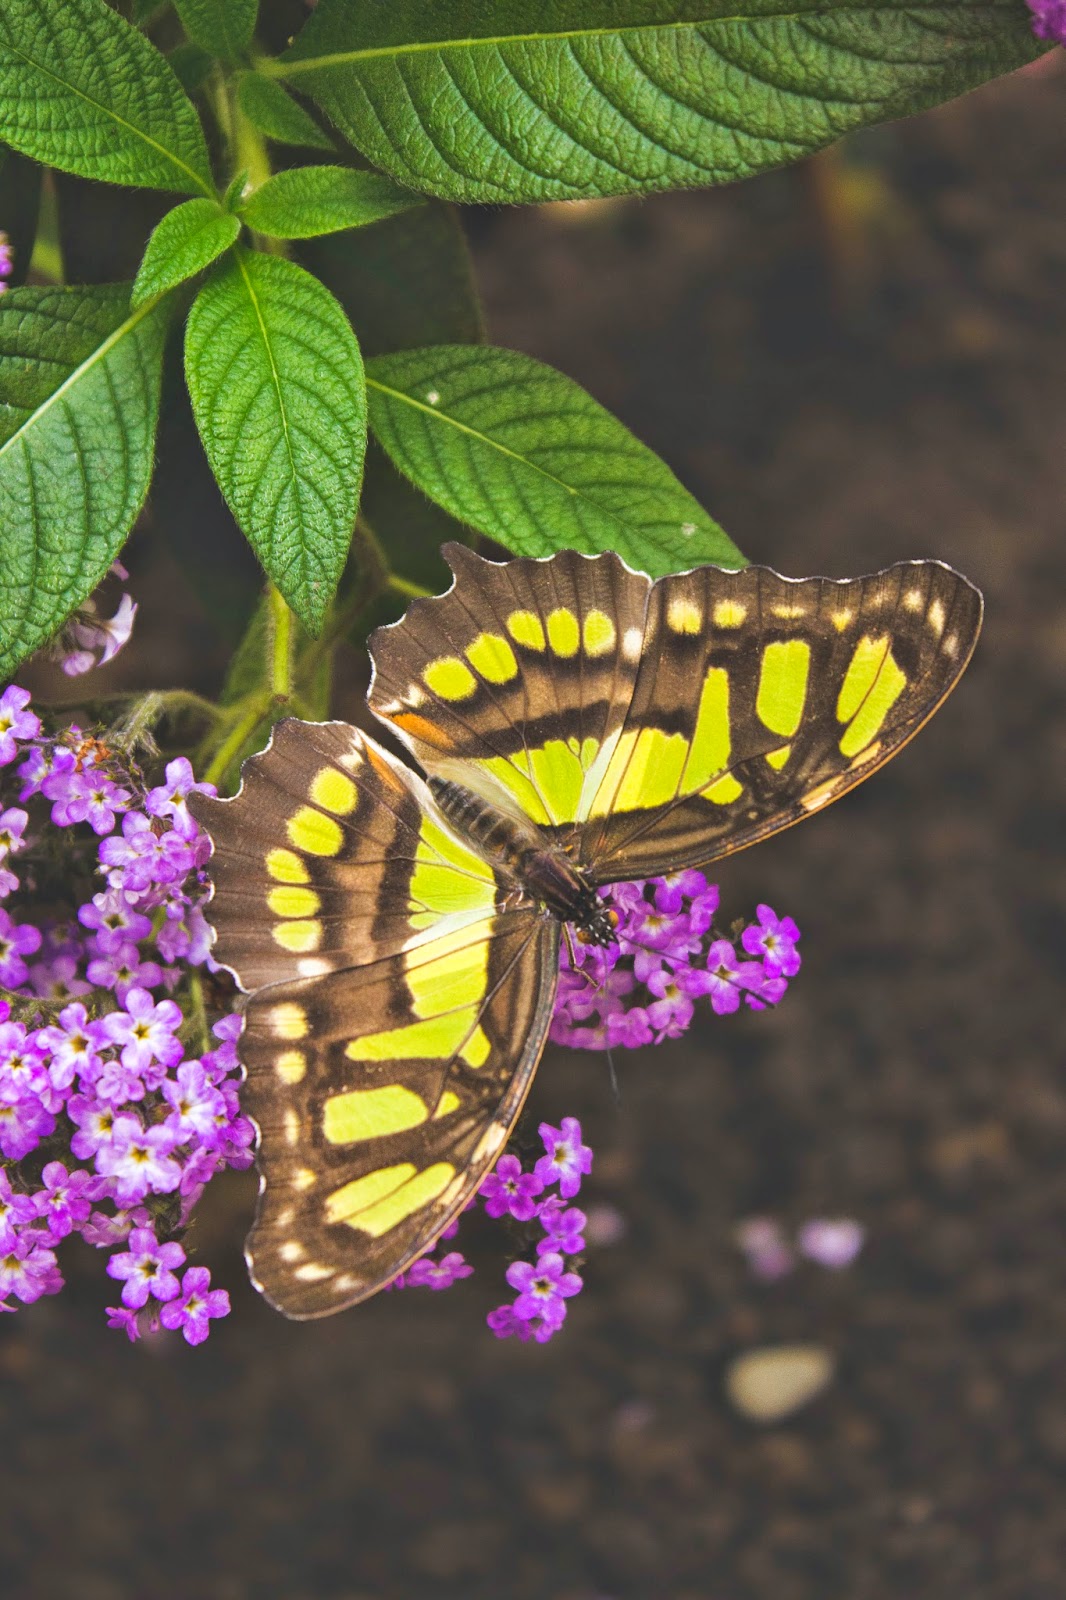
(401, 994)
(760, 699)
(515, 682)
(383, 1094)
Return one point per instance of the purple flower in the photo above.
(567, 1159)
(73, 1044)
(12, 826)
(774, 939)
(22, 1127)
(147, 1268)
(16, 941)
(428, 1274)
(832, 1242)
(563, 1228)
(16, 1211)
(542, 1289)
(199, 1109)
(196, 1304)
(729, 977)
(64, 1200)
(765, 1247)
(1049, 19)
(124, 1317)
(121, 968)
(58, 980)
(138, 1159)
(15, 722)
(145, 1030)
(91, 796)
(95, 1123)
(506, 1325)
(98, 638)
(509, 1189)
(113, 920)
(140, 858)
(28, 1270)
(169, 800)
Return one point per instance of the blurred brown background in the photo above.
(854, 361)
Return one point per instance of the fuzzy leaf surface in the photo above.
(498, 100)
(525, 455)
(187, 240)
(305, 202)
(224, 28)
(272, 110)
(79, 375)
(83, 91)
(276, 382)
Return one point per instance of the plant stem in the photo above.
(242, 729)
(404, 586)
(281, 646)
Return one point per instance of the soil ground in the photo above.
(840, 396)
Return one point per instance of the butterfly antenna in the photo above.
(612, 1078)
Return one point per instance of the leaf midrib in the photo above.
(109, 111)
(274, 374)
(283, 67)
(502, 449)
(101, 351)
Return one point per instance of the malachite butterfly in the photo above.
(576, 724)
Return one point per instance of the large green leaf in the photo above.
(568, 98)
(79, 376)
(307, 201)
(222, 27)
(186, 241)
(524, 454)
(405, 284)
(276, 382)
(83, 91)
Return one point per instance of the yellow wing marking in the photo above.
(493, 658)
(285, 866)
(380, 1200)
(314, 833)
(333, 791)
(526, 629)
(451, 678)
(783, 685)
(372, 1113)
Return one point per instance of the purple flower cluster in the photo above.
(1049, 19)
(543, 1285)
(7, 261)
(667, 953)
(111, 1123)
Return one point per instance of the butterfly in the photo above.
(398, 931)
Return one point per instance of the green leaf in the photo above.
(405, 284)
(307, 201)
(276, 382)
(190, 65)
(572, 98)
(222, 27)
(272, 110)
(79, 373)
(524, 454)
(187, 240)
(83, 91)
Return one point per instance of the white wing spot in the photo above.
(950, 646)
(632, 640)
(912, 600)
(292, 1250)
(313, 1272)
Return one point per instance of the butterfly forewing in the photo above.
(761, 699)
(515, 683)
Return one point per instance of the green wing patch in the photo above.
(383, 1094)
(332, 854)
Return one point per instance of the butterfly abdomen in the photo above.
(544, 872)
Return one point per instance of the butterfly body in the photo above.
(577, 724)
(546, 874)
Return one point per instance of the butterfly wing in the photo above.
(383, 1095)
(760, 699)
(401, 994)
(515, 683)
